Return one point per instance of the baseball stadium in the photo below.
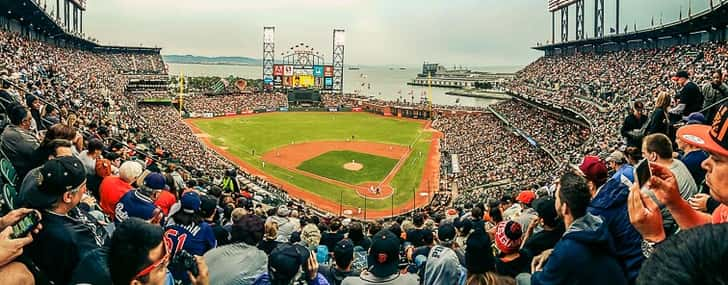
(364, 142)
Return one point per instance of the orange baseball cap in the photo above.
(713, 139)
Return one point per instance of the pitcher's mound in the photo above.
(353, 166)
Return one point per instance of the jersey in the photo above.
(134, 204)
(196, 239)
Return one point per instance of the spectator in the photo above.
(356, 235)
(139, 202)
(269, 241)
(69, 233)
(383, 262)
(18, 142)
(208, 210)
(659, 122)
(695, 256)
(632, 125)
(480, 262)
(658, 149)
(609, 202)
(137, 255)
(511, 261)
(112, 188)
(291, 263)
(689, 99)
(552, 228)
(714, 91)
(692, 157)
(333, 235)
(443, 262)
(343, 255)
(88, 157)
(285, 227)
(586, 241)
(527, 214)
(239, 262)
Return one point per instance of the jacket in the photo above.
(19, 145)
(611, 205)
(585, 255)
(366, 278)
(236, 264)
(630, 124)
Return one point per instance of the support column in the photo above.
(580, 20)
(553, 27)
(565, 24)
(598, 18)
(618, 27)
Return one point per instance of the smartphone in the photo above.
(23, 227)
(643, 172)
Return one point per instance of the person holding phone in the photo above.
(13, 239)
(644, 213)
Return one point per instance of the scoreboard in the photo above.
(293, 76)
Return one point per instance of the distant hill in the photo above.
(192, 59)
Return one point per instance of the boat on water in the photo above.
(402, 68)
(354, 68)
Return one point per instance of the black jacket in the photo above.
(632, 123)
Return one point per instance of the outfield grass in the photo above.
(331, 165)
(249, 137)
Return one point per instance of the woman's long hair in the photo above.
(488, 278)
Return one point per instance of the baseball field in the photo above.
(333, 160)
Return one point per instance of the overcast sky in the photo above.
(467, 32)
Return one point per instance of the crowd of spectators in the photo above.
(114, 210)
(235, 103)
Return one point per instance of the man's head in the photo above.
(508, 236)
(716, 78)
(129, 171)
(311, 235)
(153, 184)
(384, 254)
(344, 253)
(137, 254)
(572, 196)
(95, 147)
(19, 116)
(714, 140)
(506, 202)
(637, 108)
(418, 219)
(248, 229)
(286, 263)
(446, 234)
(545, 207)
(526, 198)
(58, 185)
(615, 160)
(682, 77)
(656, 147)
(594, 171)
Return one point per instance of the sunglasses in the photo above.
(162, 262)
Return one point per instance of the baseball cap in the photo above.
(616, 156)
(526, 197)
(546, 210)
(713, 139)
(190, 202)
(508, 236)
(446, 233)
(593, 169)
(383, 254)
(344, 247)
(55, 177)
(207, 205)
(155, 181)
(682, 74)
(285, 261)
(283, 211)
(696, 118)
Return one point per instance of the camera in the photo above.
(183, 261)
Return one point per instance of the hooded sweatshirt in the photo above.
(611, 205)
(585, 255)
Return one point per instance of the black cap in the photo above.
(682, 74)
(384, 254)
(208, 205)
(344, 250)
(55, 177)
(545, 208)
(446, 233)
(285, 261)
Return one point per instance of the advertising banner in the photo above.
(246, 112)
(303, 71)
(283, 109)
(230, 114)
(303, 81)
(333, 109)
(319, 82)
(328, 82)
(356, 109)
(287, 81)
(329, 71)
(208, 115)
(268, 79)
(318, 71)
(278, 70)
(288, 70)
(271, 109)
(277, 80)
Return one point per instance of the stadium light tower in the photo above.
(269, 51)
(338, 60)
(580, 20)
(598, 18)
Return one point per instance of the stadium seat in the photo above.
(8, 199)
(8, 172)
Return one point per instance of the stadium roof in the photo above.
(707, 20)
